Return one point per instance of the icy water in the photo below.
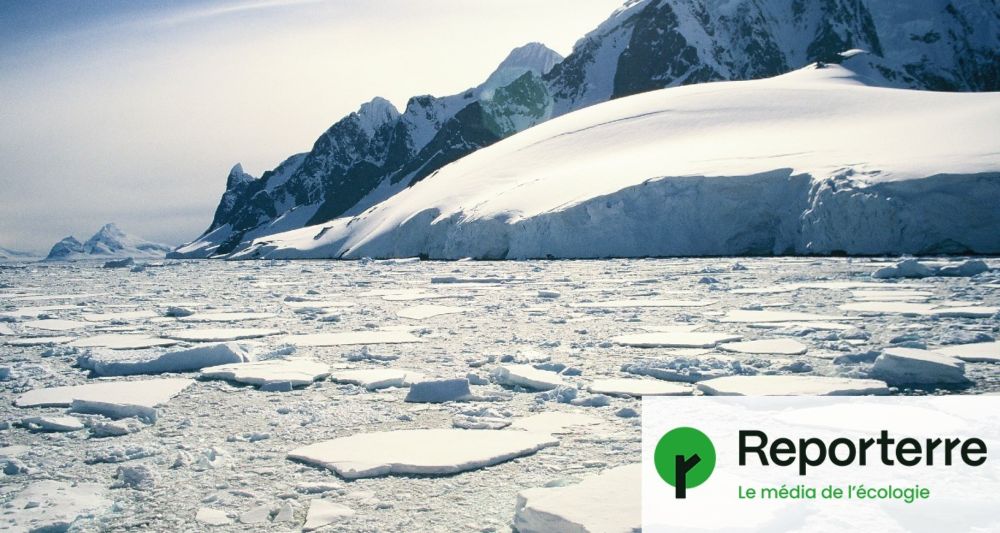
(218, 449)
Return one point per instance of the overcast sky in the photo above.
(133, 112)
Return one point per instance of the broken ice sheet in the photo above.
(295, 372)
(114, 399)
(119, 363)
(225, 317)
(122, 342)
(742, 315)
(420, 451)
(220, 334)
(353, 337)
(528, 377)
(608, 502)
(55, 324)
(618, 304)
(639, 387)
(377, 378)
(53, 506)
(766, 346)
(980, 352)
(421, 312)
(679, 339)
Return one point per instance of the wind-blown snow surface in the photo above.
(815, 161)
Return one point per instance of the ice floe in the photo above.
(609, 502)
(912, 366)
(619, 304)
(225, 317)
(742, 315)
(52, 506)
(792, 386)
(122, 342)
(102, 363)
(116, 317)
(439, 391)
(52, 423)
(421, 312)
(420, 451)
(681, 339)
(980, 352)
(220, 334)
(912, 268)
(38, 341)
(272, 373)
(553, 422)
(766, 346)
(528, 377)
(377, 378)
(638, 387)
(345, 338)
(324, 512)
(55, 324)
(114, 399)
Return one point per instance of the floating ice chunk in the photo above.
(409, 296)
(55, 325)
(420, 451)
(378, 378)
(119, 263)
(900, 308)
(528, 377)
(353, 337)
(638, 387)
(38, 341)
(676, 328)
(177, 312)
(911, 366)
(688, 369)
(324, 512)
(122, 342)
(324, 304)
(969, 311)
(907, 268)
(113, 364)
(439, 391)
(818, 326)
(420, 312)
(52, 506)
(675, 340)
(256, 515)
(890, 295)
(792, 386)
(742, 315)
(549, 294)
(967, 268)
(980, 352)
(618, 304)
(553, 422)
(124, 316)
(225, 317)
(610, 502)
(114, 428)
(220, 334)
(5, 330)
(212, 517)
(114, 399)
(52, 423)
(766, 346)
(295, 372)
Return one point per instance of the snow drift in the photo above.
(817, 161)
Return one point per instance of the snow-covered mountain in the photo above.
(6, 254)
(377, 152)
(109, 242)
(816, 161)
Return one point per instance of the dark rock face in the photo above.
(647, 44)
(65, 248)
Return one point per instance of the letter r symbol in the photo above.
(681, 468)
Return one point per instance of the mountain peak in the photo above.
(532, 57)
(237, 177)
(379, 111)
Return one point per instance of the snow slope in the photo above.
(815, 161)
(109, 242)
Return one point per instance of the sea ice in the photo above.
(901, 308)
(220, 334)
(675, 340)
(907, 268)
(741, 315)
(212, 517)
(420, 312)
(766, 346)
(225, 317)
(123, 316)
(296, 372)
(122, 342)
(420, 451)
(38, 341)
(55, 325)
(52, 506)
(609, 502)
(968, 311)
(5, 330)
(377, 378)
(52, 423)
(553, 422)
(186, 360)
(114, 399)
(791, 386)
(619, 304)
(980, 352)
(439, 391)
(638, 387)
(911, 366)
(353, 337)
(528, 377)
(324, 512)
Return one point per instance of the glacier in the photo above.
(823, 160)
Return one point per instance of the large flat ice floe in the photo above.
(186, 360)
(833, 163)
(639, 387)
(377, 378)
(420, 451)
(792, 386)
(609, 502)
(268, 374)
(114, 399)
(122, 342)
(52, 506)
(912, 366)
(346, 338)
(691, 339)
(980, 352)
(220, 334)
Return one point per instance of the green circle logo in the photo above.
(684, 458)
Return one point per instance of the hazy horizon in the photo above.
(133, 113)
